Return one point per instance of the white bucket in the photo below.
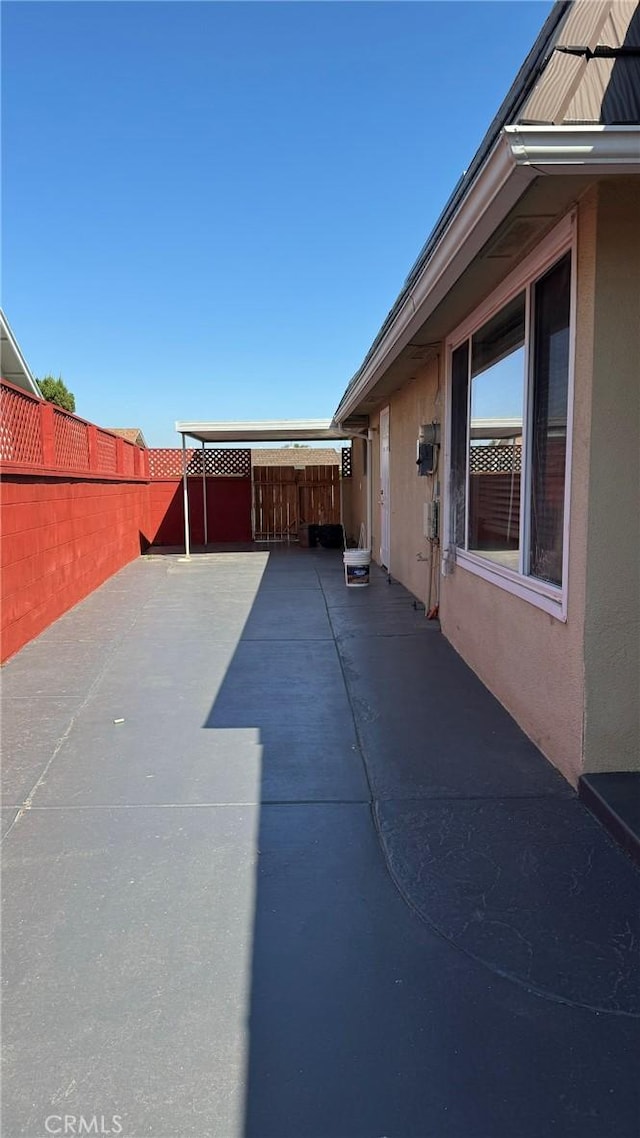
(356, 567)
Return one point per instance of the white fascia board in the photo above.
(554, 149)
(269, 430)
(521, 154)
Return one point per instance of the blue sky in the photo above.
(209, 208)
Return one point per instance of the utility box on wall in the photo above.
(428, 447)
(431, 518)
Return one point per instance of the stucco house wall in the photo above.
(530, 660)
(411, 554)
(612, 619)
(541, 668)
(557, 170)
(354, 491)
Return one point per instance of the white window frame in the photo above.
(550, 598)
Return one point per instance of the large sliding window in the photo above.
(509, 410)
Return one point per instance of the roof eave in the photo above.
(24, 377)
(520, 155)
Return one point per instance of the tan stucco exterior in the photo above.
(417, 403)
(354, 491)
(612, 620)
(572, 685)
(530, 660)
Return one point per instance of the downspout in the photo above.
(185, 490)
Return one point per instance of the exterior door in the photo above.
(384, 488)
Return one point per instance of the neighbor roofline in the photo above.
(519, 156)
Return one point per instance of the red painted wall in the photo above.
(61, 539)
(228, 510)
(78, 505)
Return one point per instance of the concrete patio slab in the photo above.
(294, 692)
(363, 1023)
(126, 988)
(7, 816)
(307, 617)
(56, 669)
(518, 884)
(160, 980)
(31, 732)
(437, 731)
(247, 911)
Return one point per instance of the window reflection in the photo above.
(495, 443)
(549, 419)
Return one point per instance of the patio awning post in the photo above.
(204, 497)
(185, 488)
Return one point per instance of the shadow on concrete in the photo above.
(201, 932)
(416, 855)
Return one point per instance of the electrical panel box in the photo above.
(427, 449)
(426, 460)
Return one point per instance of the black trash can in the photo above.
(330, 537)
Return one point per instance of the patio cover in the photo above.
(265, 431)
(254, 431)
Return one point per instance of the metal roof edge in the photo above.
(28, 375)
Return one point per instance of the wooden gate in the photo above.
(286, 497)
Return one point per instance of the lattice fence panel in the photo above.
(71, 442)
(347, 461)
(20, 432)
(495, 460)
(107, 453)
(166, 462)
(227, 463)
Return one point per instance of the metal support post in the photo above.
(204, 498)
(187, 534)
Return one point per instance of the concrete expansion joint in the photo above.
(347, 688)
(27, 803)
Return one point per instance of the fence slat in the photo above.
(286, 497)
